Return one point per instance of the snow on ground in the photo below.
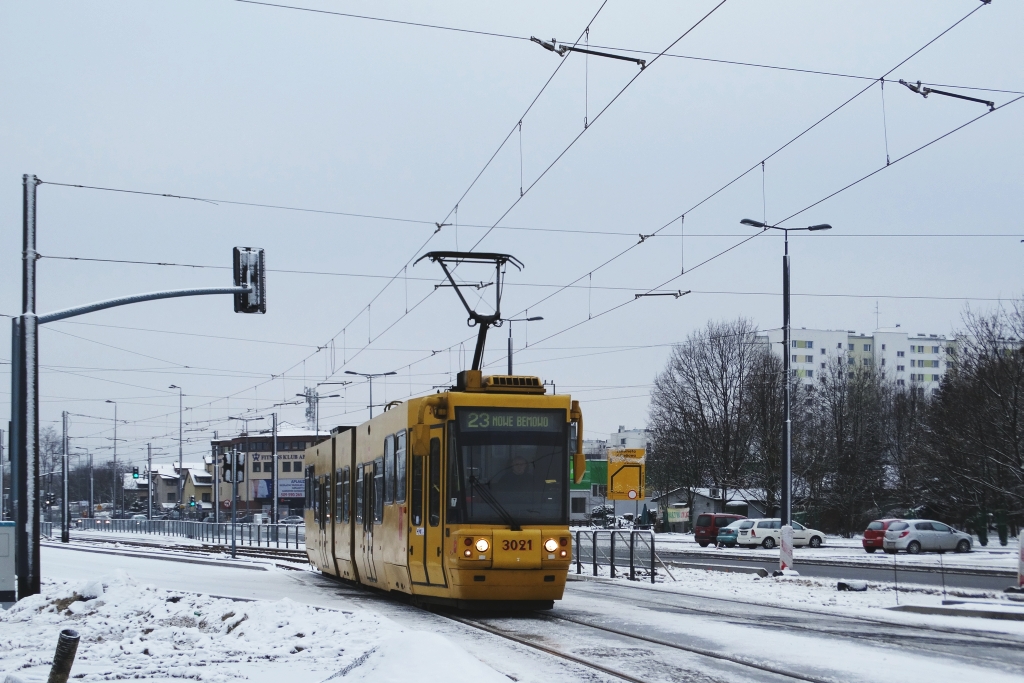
(837, 548)
(134, 630)
(821, 595)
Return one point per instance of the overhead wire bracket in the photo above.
(562, 49)
(676, 294)
(925, 91)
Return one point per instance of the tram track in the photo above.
(263, 553)
(703, 652)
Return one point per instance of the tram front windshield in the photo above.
(508, 466)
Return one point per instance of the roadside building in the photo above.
(198, 482)
(746, 502)
(255, 493)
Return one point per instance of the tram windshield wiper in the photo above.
(489, 498)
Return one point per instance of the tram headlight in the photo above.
(482, 545)
(551, 545)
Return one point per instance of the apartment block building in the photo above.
(910, 359)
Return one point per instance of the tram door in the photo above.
(417, 523)
(369, 507)
(323, 528)
(434, 529)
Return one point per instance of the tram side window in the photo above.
(400, 467)
(316, 499)
(345, 495)
(359, 495)
(389, 470)
(434, 497)
(378, 490)
(339, 503)
(417, 490)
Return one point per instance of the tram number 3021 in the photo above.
(514, 545)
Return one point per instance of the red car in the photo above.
(875, 534)
(705, 530)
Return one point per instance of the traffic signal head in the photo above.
(249, 271)
(135, 473)
(191, 501)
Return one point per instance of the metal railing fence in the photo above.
(260, 535)
(616, 549)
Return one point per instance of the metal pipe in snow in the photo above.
(64, 657)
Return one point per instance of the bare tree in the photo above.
(698, 401)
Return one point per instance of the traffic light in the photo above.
(232, 469)
(135, 473)
(191, 501)
(248, 267)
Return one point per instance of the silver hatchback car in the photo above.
(915, 535)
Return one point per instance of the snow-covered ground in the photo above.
(161, 616)
(821, 595)
(839, 549)
(134, 630)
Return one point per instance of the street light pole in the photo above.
(516, 320)
(786, 502)
(149, 479)
(181, 463)
(115, 462)
(65, 507)
(369, 376)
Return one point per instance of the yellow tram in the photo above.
(459, 498)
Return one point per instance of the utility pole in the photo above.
(92, 504)
(25, 406)
(234, 496)
(181, 463)
(369, 376)
(273, 455)
(249, 297)
(116, 484)
(216, 481)
(149, 486)
(65, 508)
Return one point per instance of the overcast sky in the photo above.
(233, 101)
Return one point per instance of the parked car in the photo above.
(292, 519)
(139, 517)
(915, 535)
(705, 530)
(768, 534)
(875, 534)
(727, 535)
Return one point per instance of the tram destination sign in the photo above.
(473, 420)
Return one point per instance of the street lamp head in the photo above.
(823, 226)
(109, 401)
(390, 373)
(350, 372)
(174, 386)
(535, 318)
(332, 396)
(752, 223)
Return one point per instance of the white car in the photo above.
(915, 535)
(767, 533)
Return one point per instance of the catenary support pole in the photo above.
(787, 455)
(65, 506)
(25, 406)
(273, 456)
(234, 495)
(216, 480)
(149, 485)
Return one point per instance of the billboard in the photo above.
(287, 488)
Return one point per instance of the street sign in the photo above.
(626, 473)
